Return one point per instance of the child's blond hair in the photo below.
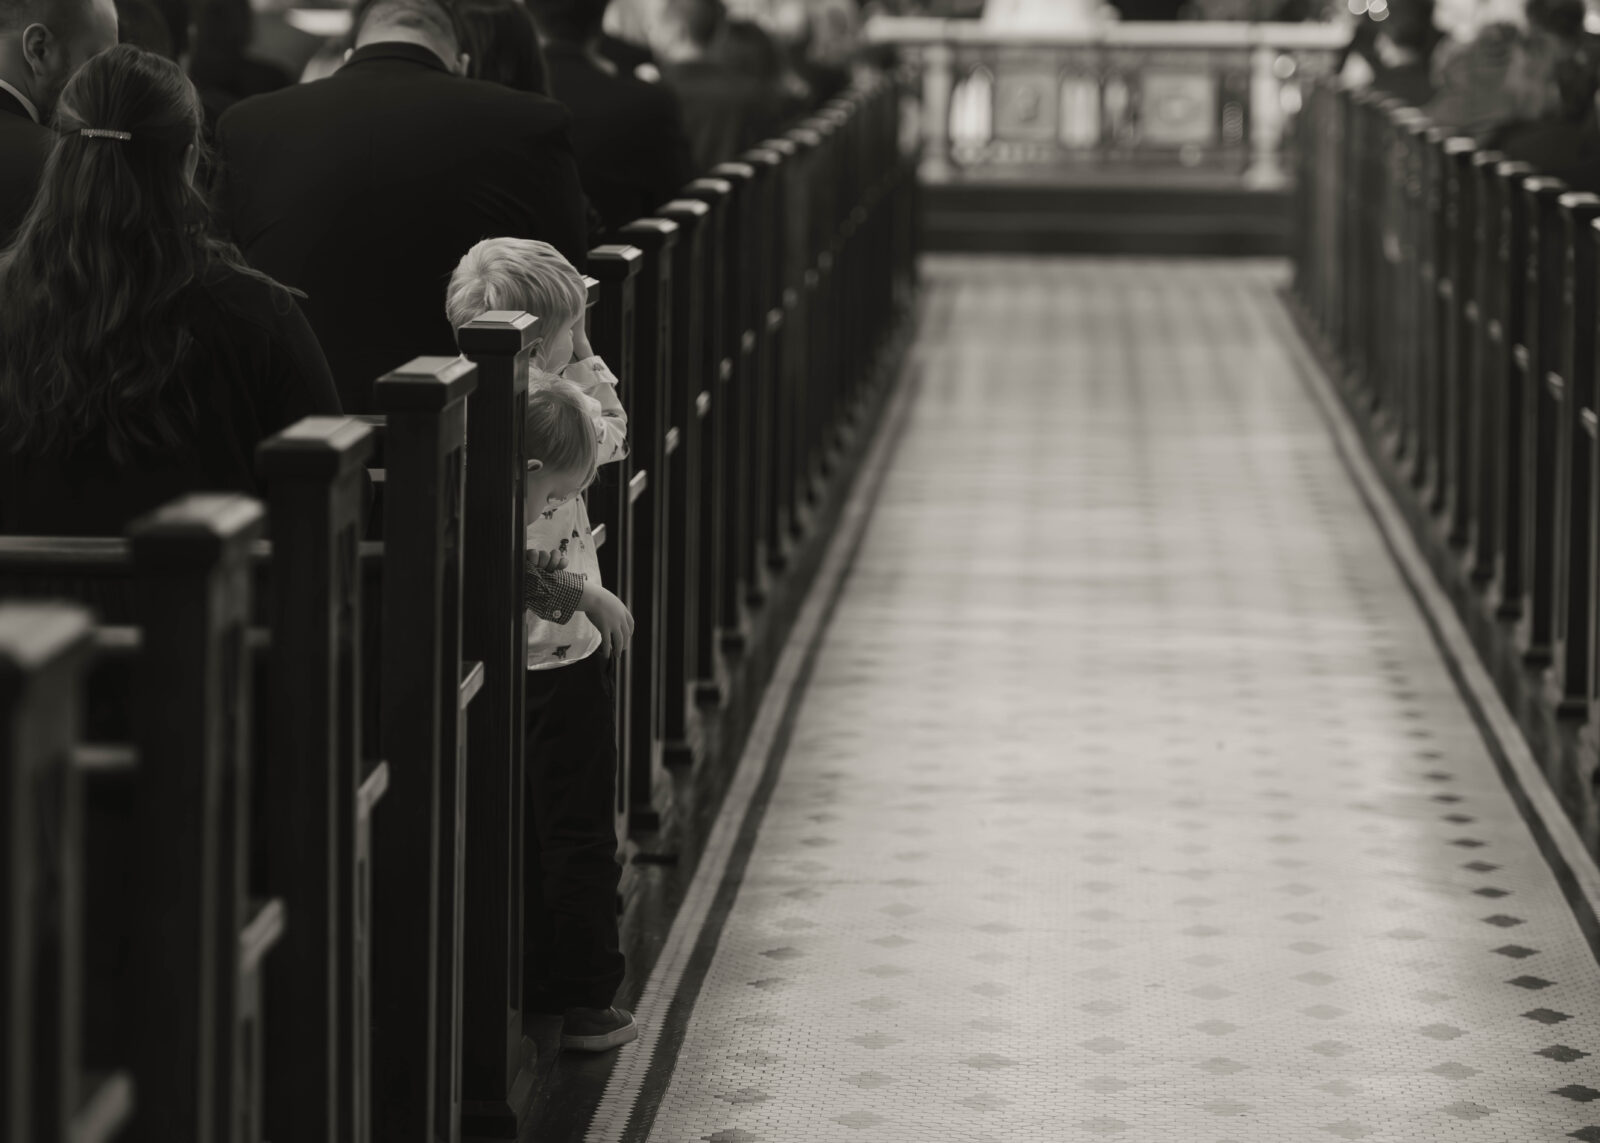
(516, 274)
(559, 427)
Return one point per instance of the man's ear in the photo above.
(37, 45)
(534, 464)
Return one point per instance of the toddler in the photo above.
(576, 628)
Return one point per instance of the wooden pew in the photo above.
(1546, 270)
(1511, 273)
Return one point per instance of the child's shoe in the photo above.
(597, 1029)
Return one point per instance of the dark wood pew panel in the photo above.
(312, 772)
(650, 488)
(417, 840)
(1462, 313)
(45, 650)
(1546, 270)
(735, 404)
(714, 409)
(498, 1061)
(1571, 646)
(1491, 361)
(688, 404)
(190, 828)
(616, 268)
(1510, 274)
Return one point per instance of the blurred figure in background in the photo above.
(1395, 55)
(502, 44)
(724, 111)
(747, 50)
(222, 68)
(1550, 98)
(142, 24)
(42, 42)
(628, 135)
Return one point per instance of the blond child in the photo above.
(574, 423)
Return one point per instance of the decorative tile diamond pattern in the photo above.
(1130, 799)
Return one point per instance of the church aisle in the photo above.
(1130, 797)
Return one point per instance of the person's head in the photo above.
(501, 45)
(92, 328)
(428, 24)
(689, 27)
(560, 439)
(521, 274)
(42, 42)
(569, 21)
(142, 24)
(746, 48)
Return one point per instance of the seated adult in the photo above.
(223, 69)
(724, 112)
(1398, 52)
(502, 45)
(142, 24)
(42, 42)
(632, 152)
(140, 358)
(363, 189)
(1551, 90)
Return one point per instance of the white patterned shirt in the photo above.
(565, 527)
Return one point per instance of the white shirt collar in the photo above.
(27, 104)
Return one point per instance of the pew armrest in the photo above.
(105, 758)
(673, 439)
(702, 403)
(638, 485)
(372, 790)
(1591, 424)
(106, 1111)
(1520, 358)
(1554, 385)
(471, 683)
(258, 937)
(597, 536)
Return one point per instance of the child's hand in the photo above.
(549, 561)
(609, 616)
(581, 349)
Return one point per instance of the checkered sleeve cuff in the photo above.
(552, 595)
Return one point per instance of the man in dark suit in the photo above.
(366, 188)
(42, 42)
(632, 152)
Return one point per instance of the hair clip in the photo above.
(104, 133)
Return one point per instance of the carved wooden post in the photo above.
(417, 915)
(714, 408)
(44, 650)
(1570, 567)
(1508, 425)
(316, 1032)
(650, 488)
(496, 1059)
(191, 715)
(1546, 261)
(1491, 361)
(688, 404)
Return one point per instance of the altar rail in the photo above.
(213, 930)
(1205, 100)
(1453, 296)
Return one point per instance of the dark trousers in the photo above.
(573, 957)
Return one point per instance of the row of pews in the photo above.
(263, 837)
(1453, 293)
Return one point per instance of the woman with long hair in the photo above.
(140, 358)
(502, 44)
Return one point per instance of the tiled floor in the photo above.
(1130, 799)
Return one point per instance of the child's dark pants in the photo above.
(573, 958)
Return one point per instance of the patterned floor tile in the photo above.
(1130, 799)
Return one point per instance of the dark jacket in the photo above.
(366, 188)
(724, 113)
(1569, 151)
(24, 146)
(632, 152)
(253, 368)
